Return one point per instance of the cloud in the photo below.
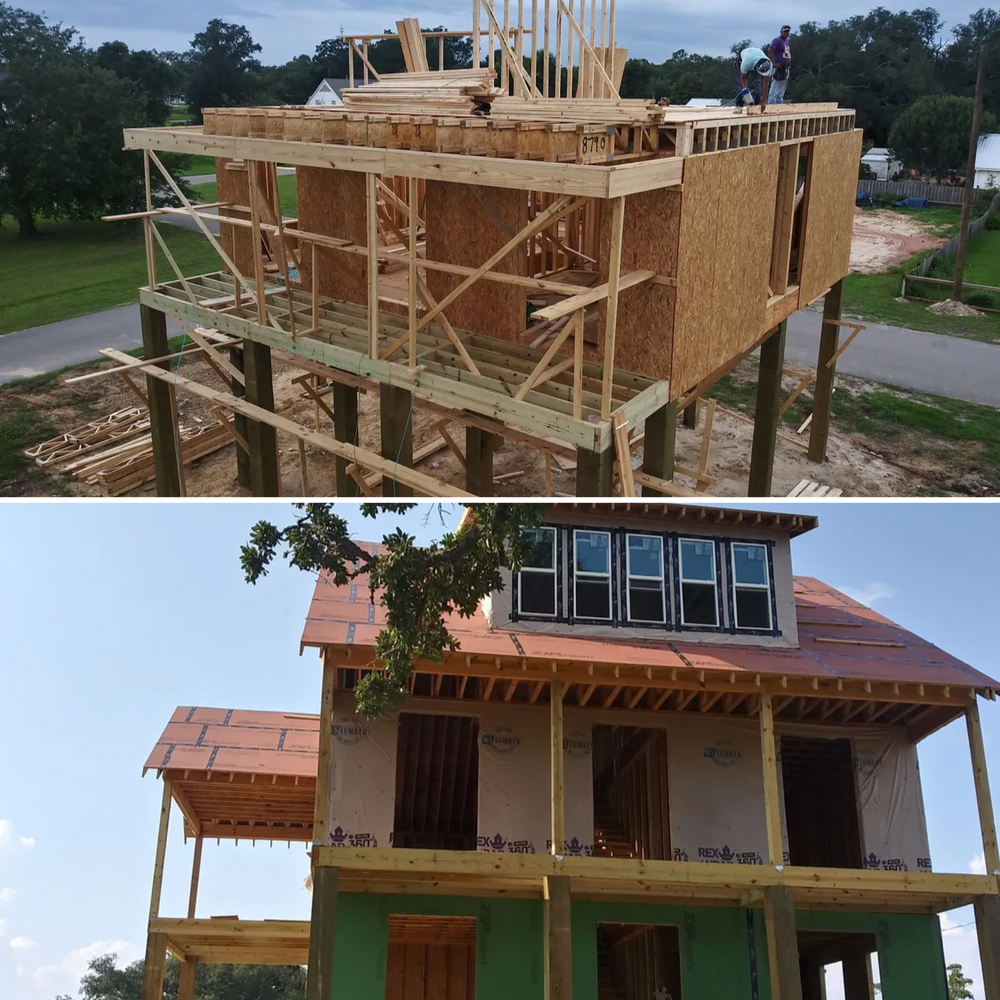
(27, 841)
(978, 865)
(75, 964)
(7, 894)
(7, 838)
(22, 943)
(870, 592)
(3, 927)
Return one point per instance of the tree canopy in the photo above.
(454, 574)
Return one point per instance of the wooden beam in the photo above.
(558, 939)
(826, 372)
(984, 802)
(557, 766)
(325, 751)
(782, 943)
(772, 799)
(322, 933)
(163, 430)
(765, 425)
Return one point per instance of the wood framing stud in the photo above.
(987, 820)
(772, 799)
(558, 939)
(826, 371)
(765, 426)
(558, 779)
(163, 429)
(322, 931)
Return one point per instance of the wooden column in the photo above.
(161, 851)
(691, 415)
(772, 799)
(163, 429)
(239, 420)
(557, 764)
(156, 944)
(372, 207)
(987, 822)
(188, 978)
(819, 429)
(782, 943)
(325, 759)
(262, 438)
(857, 983)
(558, 939)
(397, 435)
(659, 439)
(594, 472)
(345, 428)
(765, 428)
(987, 910)
(189, 967)
(479, 448)
(322, 932)
(154, 966)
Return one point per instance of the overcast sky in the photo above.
(652, 29)
(113, 614)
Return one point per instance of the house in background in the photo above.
(881, 162)
(327, 93)
(988, 162)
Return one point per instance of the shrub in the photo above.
(984, 300)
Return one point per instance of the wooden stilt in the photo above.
(322, 931)
(782, 943)
(826, 371)
(987, 911)
(154, 967)
(659, 438)
(345, 428)
(161, 851)
(156, 944)
(397, 435)
(558, 939)
(765, 427)
(188, 978)
(479, 448)
(195, 878)
(262, 438)
(239, 420)
(594, 472)
(161, 416)
(690, 415)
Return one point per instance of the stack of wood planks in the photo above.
(115, 452)
(444, 92)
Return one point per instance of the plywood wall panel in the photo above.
(726, 230)
(237, 241)
(826, 249)
(462, 230)
(332, 202)
(430, 972)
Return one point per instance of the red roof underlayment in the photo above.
(345, 616)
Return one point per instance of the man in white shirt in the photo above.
(754, 68)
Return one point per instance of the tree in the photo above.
(149, 71)
(330, 59)
(454, 575)
(933, 134)
(61, 121)
(957, 983)
(223, 69)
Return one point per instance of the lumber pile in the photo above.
(580, 110)
(115, 452)
(444, 92)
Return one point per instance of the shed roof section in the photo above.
(838, 638)
(988, 152)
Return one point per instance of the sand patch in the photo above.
(883, 238)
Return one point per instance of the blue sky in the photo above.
(113, 614)
(651, 29)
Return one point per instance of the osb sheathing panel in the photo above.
(645, 326)
(727, 224)
(237, 241)
(462, 230)
(833, 185)
(332, 202)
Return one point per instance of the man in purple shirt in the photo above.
(780, 53)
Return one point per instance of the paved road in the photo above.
(948, 366)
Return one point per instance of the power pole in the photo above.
(970, 178)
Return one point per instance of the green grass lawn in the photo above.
(199, 165)
(287, 196)
(75, 268)
(982, 258)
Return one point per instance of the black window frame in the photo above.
(768, 545)
(668, 623)
(613, 560)
(679, 624)
(516, 614)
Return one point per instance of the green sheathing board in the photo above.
(509, 943)
(715, 958)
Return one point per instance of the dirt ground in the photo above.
(883, 238)
(856, 465)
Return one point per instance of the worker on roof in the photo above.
(780, 54)
(753, 74)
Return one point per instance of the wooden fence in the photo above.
(946, 194)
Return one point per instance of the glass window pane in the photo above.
(753, 608)
(645, 556)
(541, 548)
(697, 560)
(645, 601)
(699, 604)
(538, 593)
(593, 599)
(750, 564)
(593, 551)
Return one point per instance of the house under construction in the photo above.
(658, 765)
(570, 270)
